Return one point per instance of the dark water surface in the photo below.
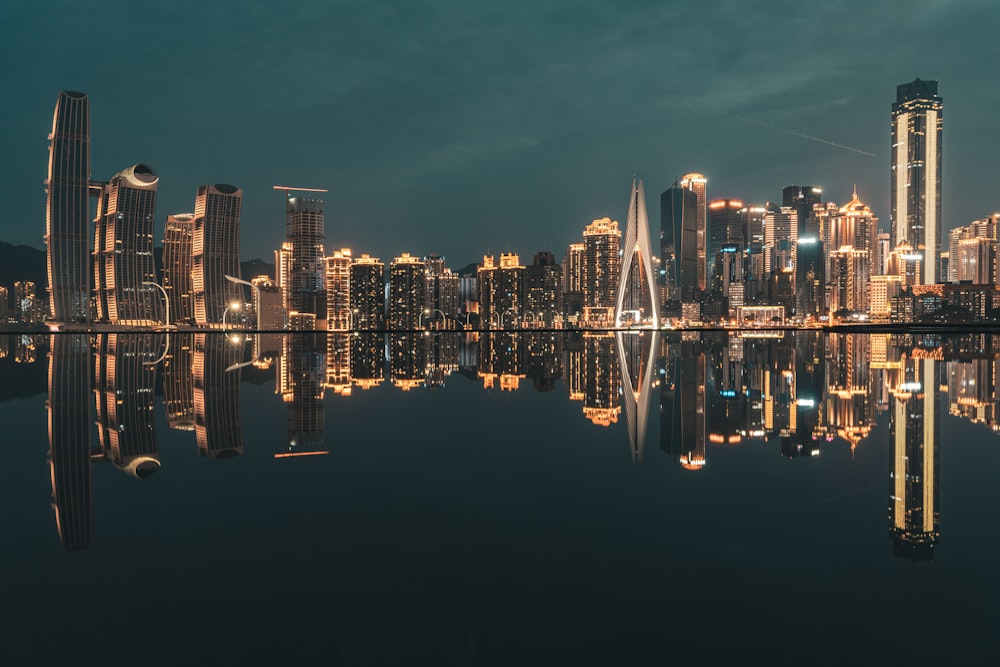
(516, 499)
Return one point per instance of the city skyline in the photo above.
(398, 180)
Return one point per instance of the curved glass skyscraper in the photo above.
(216, 252)
(67, 209)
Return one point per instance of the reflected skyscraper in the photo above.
(602, 379)
(304, 361)
(543, 359)
(123, 249)
(67, 209)
(338, 362)
(407, 360)
(501, 360)
(915, 183)
(216, 252)
(70, 466)
(367, 360)
(178, 382)
(123, 390)
(217, 425)
(914, 438)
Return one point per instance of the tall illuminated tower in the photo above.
(697, 183)
(407, 285)
(215, 252)
(177, 259)
(679, 244)
(367, 297)
(915, 183)
(304, 230)
(123, 249)
(67, 209)
(602, 263)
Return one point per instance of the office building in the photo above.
(123, 249)
(697, 183)
(679, 246)
(810, 279)
(781, 223)
(727, 226)
(216, 252)
(803, 198)
(178, 265)
(67, 210)
(915, 183)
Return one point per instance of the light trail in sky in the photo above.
(772, 126)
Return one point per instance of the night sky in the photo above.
(462, 128)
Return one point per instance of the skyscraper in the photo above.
(601, 267)
(304, 231)
(67, 209)
(501, 290)
(216, 251)
(407, 285)
(368, 293)
(543, 294)
(726, 225)
(177, 266)
(123, 249)
(915, 183)
(802, 198)
(338, 290)
(679, 245)
(697, 184)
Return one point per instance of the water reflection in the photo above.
(800, 390)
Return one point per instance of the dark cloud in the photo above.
(458, 127)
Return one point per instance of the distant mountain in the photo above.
(252, 268)
(21, 262)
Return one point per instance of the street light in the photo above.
(235, 305)
(428, 311)
(256, 292)
(166, 299)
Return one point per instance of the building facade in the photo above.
(216, 252)
(915, 178)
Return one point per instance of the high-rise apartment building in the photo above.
(849, 278)
(856, 226)
(810, 278)
(216, 252)
(305, 288)
(573, 272)
(915, 183)
(123, 249)
(442, 291)
(368, 293)
(601, 268)
(407, 292)
(501, 290)
(178, 239)
(543, 293)
(697, 183)
(338, 290)
(67, 209)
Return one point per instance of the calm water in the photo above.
(516, 499)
